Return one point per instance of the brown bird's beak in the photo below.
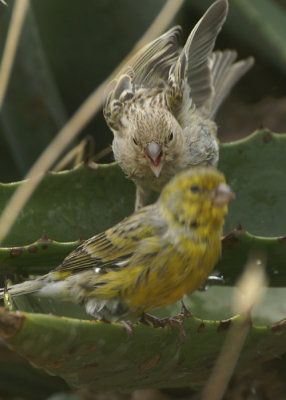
(222, 195)
(155, 155)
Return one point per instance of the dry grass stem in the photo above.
(251, 286)
(15, 27)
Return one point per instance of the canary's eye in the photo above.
(195, 189)
(135, 141)
(171, 136)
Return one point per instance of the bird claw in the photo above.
(177, 320)
(160, 322)
(155, 321)
(128, 327)
(185, 312)
(126, 324)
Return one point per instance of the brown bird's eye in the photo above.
(195, 189)
(171, 136)
(135, 141)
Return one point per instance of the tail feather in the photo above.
(23, 288)
(225, 73)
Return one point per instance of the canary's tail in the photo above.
(23, 288)
(225, 73)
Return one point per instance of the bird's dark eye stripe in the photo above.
(135, 141)
(195, 189)
(171, 136)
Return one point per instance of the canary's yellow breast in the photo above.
(158, 280)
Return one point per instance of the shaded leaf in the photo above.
(88, 353)
(72, 204)
(255, 169)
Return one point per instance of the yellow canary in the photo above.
(162, 104)
(148, 260)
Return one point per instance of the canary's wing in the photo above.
(113, 248)
(191, 75)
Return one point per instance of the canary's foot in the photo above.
(177, 321)
(156, 322)
(184, 311)
(128, 327)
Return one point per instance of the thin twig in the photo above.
(102, 153)
(252, 287)
(15, 27)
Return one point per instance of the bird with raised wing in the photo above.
(162, 104)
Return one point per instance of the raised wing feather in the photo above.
(152, 63)
(225, 73)
(193, 64)
(147, 68)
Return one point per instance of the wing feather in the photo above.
(192, 66)
(152, 63)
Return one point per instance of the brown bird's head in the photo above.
(155, 138)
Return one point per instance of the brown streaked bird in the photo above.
(162, 104)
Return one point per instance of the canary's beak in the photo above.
(155, 155)
(222, 195)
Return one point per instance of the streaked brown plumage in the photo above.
(162, 104)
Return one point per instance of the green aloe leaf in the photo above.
(255, 169)
(236, 247)
(87, 353)
(71, 204)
